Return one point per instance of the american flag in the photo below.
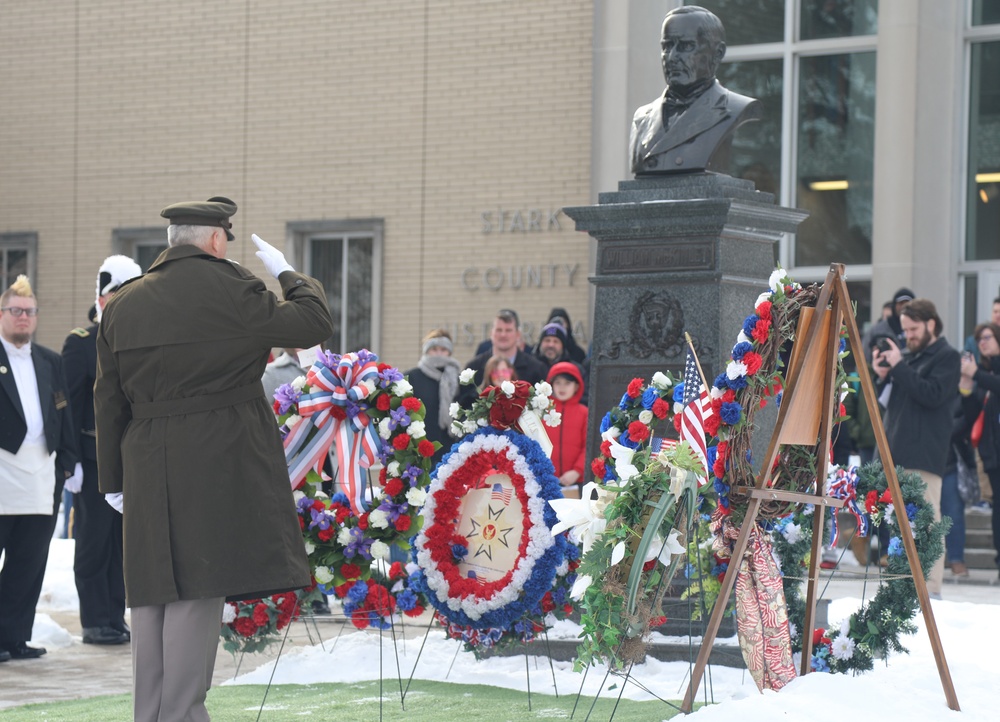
(697, 406)
(501, 494)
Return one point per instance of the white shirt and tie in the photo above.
(27, 478)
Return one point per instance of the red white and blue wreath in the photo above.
(444, 551)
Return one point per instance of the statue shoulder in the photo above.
(743, 104)
(644, 111)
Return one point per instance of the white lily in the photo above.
(624, 468)
(662, 550)
(618, 553)
(580, 586)
(583, 518)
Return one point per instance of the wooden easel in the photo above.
(806, 414)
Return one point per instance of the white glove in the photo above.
(75, 482)
(116, 501)
(273, 259)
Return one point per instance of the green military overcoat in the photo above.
(185, 432)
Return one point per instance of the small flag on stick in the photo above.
(696, 407)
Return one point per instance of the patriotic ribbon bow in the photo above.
(335, 407)
(843, 484)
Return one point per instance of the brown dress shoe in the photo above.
(959, 569)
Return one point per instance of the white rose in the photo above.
(379, 550)
(368, 385)
(344, 536)
(468, 426)
(661, 381)
(378, 519)
(646, 416)
(402, 388)
(416, 497)
(552, 418)
(292, 420)
(323, 575)
(539, 402)
(775, 280)
(454, 409)
(393, 468)
(716, 392)
(228, 613)
(310, 547)
(482, 421)
(508, 388)
(383, 428)
(543, 388)
(467, 376)
(457, 428)
(416, 430)
(299, 383)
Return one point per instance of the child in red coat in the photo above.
(569, 438)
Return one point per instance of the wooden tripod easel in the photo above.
(806, 414)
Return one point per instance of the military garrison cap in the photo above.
(213, 212)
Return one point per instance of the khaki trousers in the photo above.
(173, 658)
(933, 497)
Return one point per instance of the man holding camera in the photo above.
(918, 392)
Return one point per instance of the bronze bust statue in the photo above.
(690, 127)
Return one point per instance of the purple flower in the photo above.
(411, 475)
(398, 417)
(393, 510)
(286, 396)
(304, 503)
(389, 376)
(320, 518)
(328, 358)
(353, 408)
(358, 545)
(364, 356)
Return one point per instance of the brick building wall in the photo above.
(433, 116)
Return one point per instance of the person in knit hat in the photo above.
(569, 438)
(551, 347)
(435, 382)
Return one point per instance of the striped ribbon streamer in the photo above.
(353, 437)
(843, 484)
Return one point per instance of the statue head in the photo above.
(692, 46)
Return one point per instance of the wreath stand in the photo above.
(804, 416)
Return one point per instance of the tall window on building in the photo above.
(346, 257)
(18, 252)
(983, 185)
(811, 63)
(142, 245)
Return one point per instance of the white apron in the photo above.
(27, 480)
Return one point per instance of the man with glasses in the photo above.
(37, 453)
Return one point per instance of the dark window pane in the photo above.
(985, 12)
(749, 21)
(836, 134)
(838, 18)
(145, 254)
(15, 264)
(359, 282)
(757, 146)
(969, 305)
(983, 241)
(327, 268)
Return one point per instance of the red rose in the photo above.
(818, 635)
(383, 402)
(411, 403)
(606, 448)
(245, 626)
(350, 571)
(886, 497)
(597, 466)
(318, 505)
(764, 310)
(360, 619)
(363, 521)
(276, 406)
(753, 362)
(677, 422)
(547, 604)
(761, 330)
(712, 424)
(397, 571)
(660, 409)
(402, 523)
(338, 412)
(728, 397)
(260, 615)
(401, 442)
(638, 431)
(717, 404)
(648, 566)
(382, 367)
(657, 621)
(382, 475)
(393, 487)
(341, 590)
(325, 535)
(425, 448)
(842, 411)
(635, 387)
(415, 612)
(342, 513)
(871, 501)
(505, 410)
(719, 468)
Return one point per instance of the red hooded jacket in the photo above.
(569, 439)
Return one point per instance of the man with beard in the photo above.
(918, 392)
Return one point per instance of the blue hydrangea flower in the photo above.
(730, 413)
(679, 393)
(749, 324)
(896, 547)
(911, 511)
(712, 453)
(740, 349)
(721, 381)
(740, 382)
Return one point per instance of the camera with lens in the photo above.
(882, 344)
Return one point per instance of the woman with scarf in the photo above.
(435, 382)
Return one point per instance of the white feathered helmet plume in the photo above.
(114, 272)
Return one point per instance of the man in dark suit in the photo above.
(505, 336)
(37, 453)
(691, 126)
(97, 564)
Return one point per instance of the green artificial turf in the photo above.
(425, 702)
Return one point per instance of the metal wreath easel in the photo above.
(806, 414)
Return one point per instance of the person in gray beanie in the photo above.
(435, 382)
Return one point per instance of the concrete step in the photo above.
(980, 558)
(977, 520)
(979, 538)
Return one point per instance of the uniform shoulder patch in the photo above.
(81, 332)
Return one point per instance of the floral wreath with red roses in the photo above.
(251, 625)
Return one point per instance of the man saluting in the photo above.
(188, 448)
